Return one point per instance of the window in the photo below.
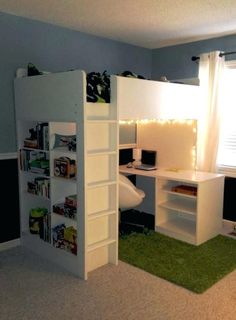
(226, 159)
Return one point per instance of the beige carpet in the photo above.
(31, 288)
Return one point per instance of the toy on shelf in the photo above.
(70, 236)
(65, 238)
(68, 208)
(63, 210)
(67, 142)
(71, 201)
(64, 167)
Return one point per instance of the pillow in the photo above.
(65, 141)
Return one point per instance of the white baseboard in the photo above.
(228, 223)
(8, 156)
(227, 228)
(9, 244)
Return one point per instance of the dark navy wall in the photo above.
(174, 62)
(9, 226)
(55, 49)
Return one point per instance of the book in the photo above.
(71, 200)
(64, 210)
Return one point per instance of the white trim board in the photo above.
(227, 228)
(9, 155)
(127, 146)
(9, 244)
(229, 223)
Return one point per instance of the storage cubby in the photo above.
(189, 205)
(35, 186)
(34, 161)
(78, 141)
(34, 135)
(28, 202)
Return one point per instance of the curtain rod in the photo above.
(221, 54)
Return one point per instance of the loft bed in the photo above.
(137, 97)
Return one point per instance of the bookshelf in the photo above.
(68, 171)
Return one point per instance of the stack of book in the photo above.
(34, 161)
(39, 186)
(45, 228)
(38, 137)
(68, 208)
(185, 189)
(40, 223)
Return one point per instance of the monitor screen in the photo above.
(149, 157)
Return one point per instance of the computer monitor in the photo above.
(149, 157)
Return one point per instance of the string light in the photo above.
(127, 122)
(189, 122)
(194, 157)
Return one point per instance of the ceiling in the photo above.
(146, 23)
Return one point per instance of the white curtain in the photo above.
(211, 67)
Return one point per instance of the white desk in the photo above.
(193, 219)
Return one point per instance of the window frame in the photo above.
(225, 169)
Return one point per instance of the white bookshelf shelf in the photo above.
(35, 149)
(35, 174)
(63, 150)
(32, 195)
(62, 217)
(66, 180)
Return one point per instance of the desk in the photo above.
(190, 218)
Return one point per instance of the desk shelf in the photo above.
(179, 228)
(190, 218)
(179, 194)
(178, 205)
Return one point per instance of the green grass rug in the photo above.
(196, 268)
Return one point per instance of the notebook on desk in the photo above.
(149, 160)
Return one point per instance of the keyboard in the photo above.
(146, 167)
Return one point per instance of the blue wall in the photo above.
(55, 49)
(174, 62)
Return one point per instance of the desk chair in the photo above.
(129, 196)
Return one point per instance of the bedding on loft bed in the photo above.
(98, 84)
